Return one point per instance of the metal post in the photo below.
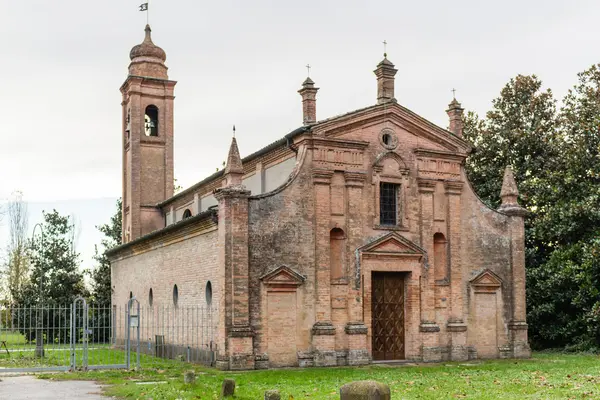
(39, 338)
(127, 344)
(138, 334)
(72, 338)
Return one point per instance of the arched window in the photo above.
(336, 253)
(130, 295)
(150, 298)
(151, 121)
(208, 293)
(439, 256)
(187, 213)
(175, 295)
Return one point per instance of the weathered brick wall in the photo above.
(486, 245)
(282, 233)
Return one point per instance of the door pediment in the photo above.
(283, 276)
(392, 244)
(486, 281)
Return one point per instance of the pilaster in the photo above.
(510, 207)
(428, 327)
(323, 331)
(356, 330)
(518, 325)
(456, 323)
(233, 260)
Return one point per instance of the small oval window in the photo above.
(208, 293)
(175, 295)
(387, 139)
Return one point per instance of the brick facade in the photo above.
(294, 267)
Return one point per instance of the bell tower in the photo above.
(147, 134)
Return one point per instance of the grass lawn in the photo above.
(546, 376)
(12, 338)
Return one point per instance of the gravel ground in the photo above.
(29, 388)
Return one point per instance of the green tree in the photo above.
(557, 166)
(101, 286)
(55, 274)
(55, 279)
(563, 293)
(519, 131)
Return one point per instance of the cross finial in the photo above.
(234, 131)
(308, 69)
(454, 93)
(385, 48)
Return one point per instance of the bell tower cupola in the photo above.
(147, 134)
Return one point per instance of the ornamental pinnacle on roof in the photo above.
(385, 73)
(309, 100)
(233, 170)
(509, 195)
(455, 113)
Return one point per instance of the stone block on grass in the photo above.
(228, 388)
(365, 390)
(189, 377)
(272, 395)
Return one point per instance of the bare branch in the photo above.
(18, 256)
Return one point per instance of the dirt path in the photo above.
(30, 388)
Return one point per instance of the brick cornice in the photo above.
(322, 176)
(426, 185)
(197, 225)
(335, 143)
(238, 192)
(240, 331)
(323, 328)
(446, 155)
(355, 179)
(453, 187)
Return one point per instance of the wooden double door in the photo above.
(387, 303)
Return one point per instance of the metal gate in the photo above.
(67, 338)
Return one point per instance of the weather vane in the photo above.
(454, 93)
(385, 48)
(234, 131)
(308, 69)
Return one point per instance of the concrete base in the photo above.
(458, 340)
(342, 358)
(306, 359)
(261, 361)
(325, 358)
(359, 357)
(241, 355)
(459, 353)
(521, 350)
(222, 362)
(323, 342)
(519, 342)
(431, 354)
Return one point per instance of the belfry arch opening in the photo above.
(151, 120)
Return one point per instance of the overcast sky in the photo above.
(242, 62)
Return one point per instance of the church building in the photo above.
(351, 240)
